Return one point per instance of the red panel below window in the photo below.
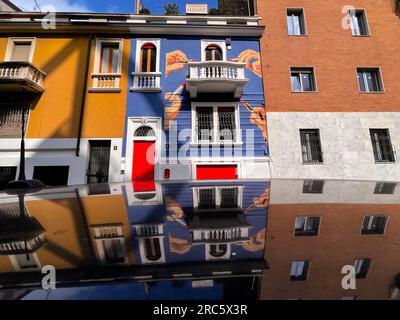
(144, 186)
(216, 172)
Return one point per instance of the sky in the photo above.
(107, 6)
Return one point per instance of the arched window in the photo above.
(152, 249)
(144, 131)
(218, 250)
(214, 53)
(148, 58)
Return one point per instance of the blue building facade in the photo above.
(195, 108)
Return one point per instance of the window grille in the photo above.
(311, 146)
(11, 121)
(226, 124)
(144, 131)
(229, 198)
(204, 124)
(382, 146)
(206, 199)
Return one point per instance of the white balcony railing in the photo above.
(106, 82)
(217, 70)
(23, 74)
(146, 81)
(216, 77)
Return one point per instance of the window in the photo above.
(214, 53)
(382, 145)
(374, 225)
(303, 80)
(213, 50)
(110, 243)
(107, 66)
(362, 267)
(26, 262)
(358, 23)
(369, 80)
(99, 161)
(212, 198)
(218, 250)
(11, 120)
(52, 175)
(20, 49)
(296, 22)
(7, 174)
(216, 124)
(147, 75)
(313, 186)
(311, 146)
(299, 270)
(148, 58)
(385, 188)
(307, 226)
(152, 249)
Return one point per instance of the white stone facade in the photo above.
(345, 141)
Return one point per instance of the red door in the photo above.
(215, 172)
(143, 161)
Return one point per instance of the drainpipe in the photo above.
(84, 94)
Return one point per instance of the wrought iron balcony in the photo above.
(16, 76)
(216, 77)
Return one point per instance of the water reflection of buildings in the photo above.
(316, 227)
(117, 233)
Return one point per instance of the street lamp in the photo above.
(22, 182)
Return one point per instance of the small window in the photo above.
(109, 58)
(374, 225)
(52, 175)
(7, 174)
(369, 80)
(299, 270)
(148, 58)
(296, 22)
(311, 146)
(362, 266)
(113, 251)
(152, 248)
(358, 23)
(313, 186)
(20, 49)
(385, 188)
(307, 226)
(382, 145)
(303, 80)
(99, 161)
(214, 53)
(218, 250)
(26, 262)
(217, 197)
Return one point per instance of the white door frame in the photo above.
(133, 124)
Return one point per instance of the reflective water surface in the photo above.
(279, 239)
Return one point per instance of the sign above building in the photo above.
(196, 8)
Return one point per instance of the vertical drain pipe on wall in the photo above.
(84, 93)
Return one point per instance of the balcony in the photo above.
(16, 76)
(146, 81)
(106, 82)
(216, 77)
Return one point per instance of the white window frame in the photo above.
(354, 29)
(219, 43)
(215, 141)
(99, 46)
(217, 189)
(97, 62)
(11, 45)
(99, 242)
(157, 74)
(139, 44)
